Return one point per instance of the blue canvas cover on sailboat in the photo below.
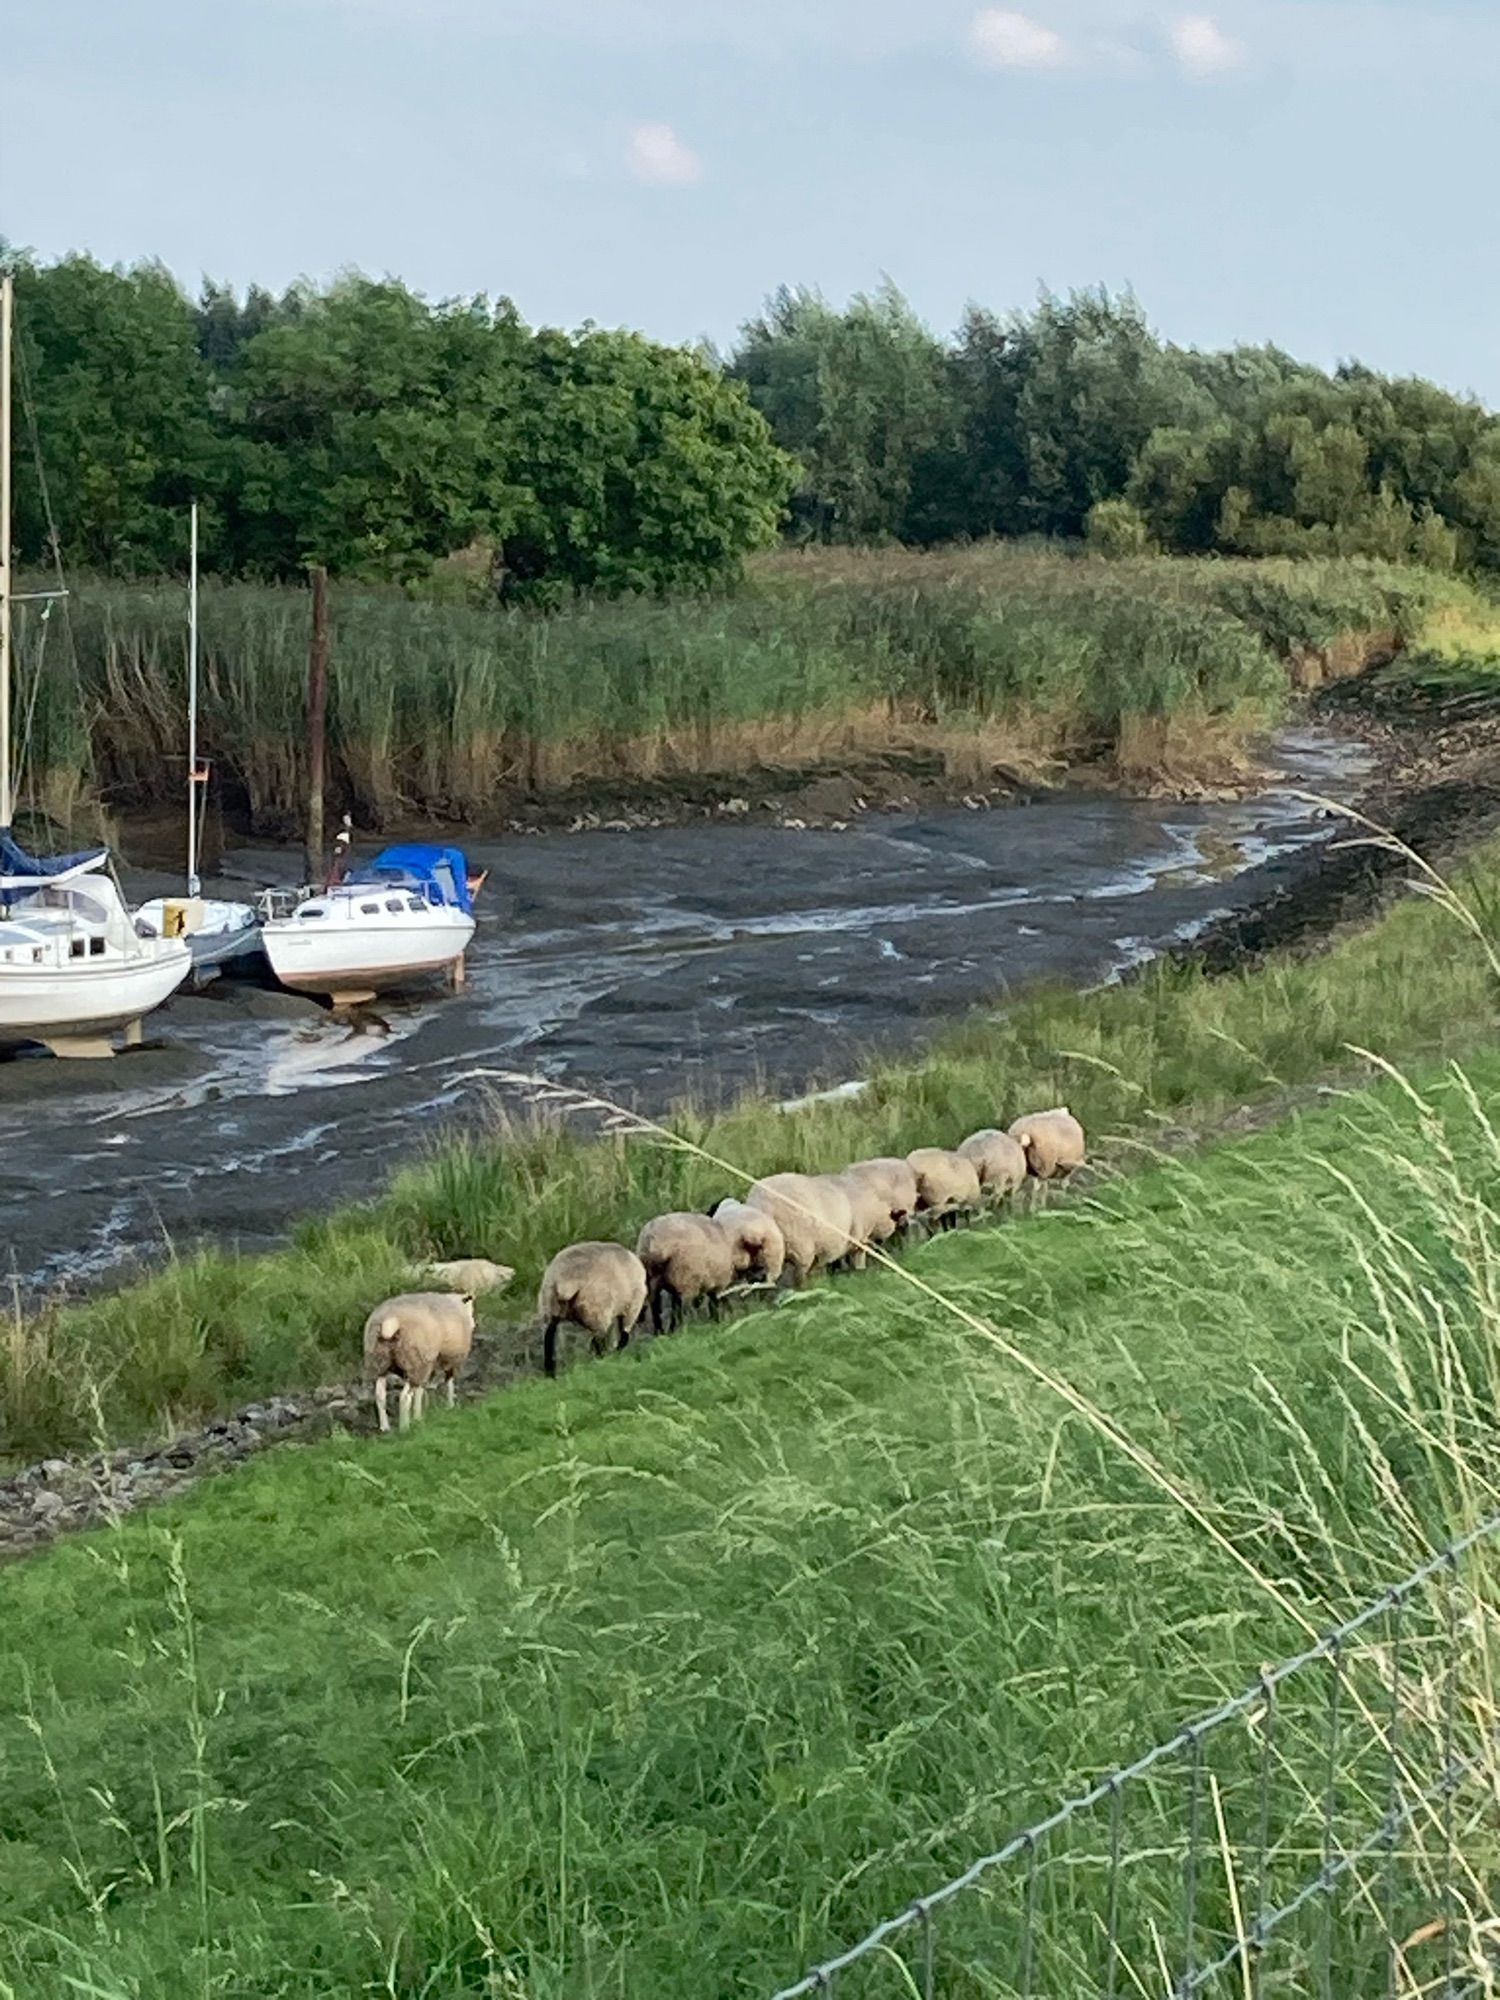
(16, 862)
(440, 873)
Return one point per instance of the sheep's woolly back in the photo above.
(945, 1180)
(593, 1285)
(813, 1213)
(874, 1221)
(755, 1237)
(689, 1254)
(1000, 1159)
(895, 1179)
(417, 1332)
(1053, 1141)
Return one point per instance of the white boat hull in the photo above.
(344, 958)
(61, 1005)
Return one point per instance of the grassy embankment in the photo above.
(994, 657)
(212, 1329)
(667, 1679)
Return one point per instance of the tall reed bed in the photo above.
(449, 710)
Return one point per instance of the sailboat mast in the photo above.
(7, 299)
(193, 884)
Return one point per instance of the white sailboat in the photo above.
(216, 932)
(73, 970)
(405, 915)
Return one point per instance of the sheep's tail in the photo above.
(390, 1328)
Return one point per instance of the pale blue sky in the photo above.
(1323, 173)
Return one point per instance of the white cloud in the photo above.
(1014, 41)
(657, 156)
(1202, 47)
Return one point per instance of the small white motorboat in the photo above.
(401, 917)
(74, 971)
(215, 933)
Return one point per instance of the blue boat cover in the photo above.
(439, 873)
(15, 860)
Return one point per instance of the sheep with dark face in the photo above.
(947, 1184)
(814, 1216)
(600, 1287)
(896, 1182)
(1052, 1141)
(413, 1337)
(758, 1246)
(874, 1219)
(1000, 1160)
(687, 1257)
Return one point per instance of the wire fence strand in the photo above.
(1318, 1795)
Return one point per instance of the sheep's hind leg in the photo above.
(419, 1402)
(382, 1413)
(452, 1392)
(403, 1408)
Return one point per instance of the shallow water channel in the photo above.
(644, 965)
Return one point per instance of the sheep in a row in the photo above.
(788, 1225)
(410, 1339)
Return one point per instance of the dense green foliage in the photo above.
(671, 1677)
(989, 652)
(363, 428)
(1025, 424)
(214, 1328)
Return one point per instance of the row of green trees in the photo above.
(362, 427)
(1077, 419)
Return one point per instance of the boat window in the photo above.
(307, 911)
(36, 954)
(394, 905)
(415, 903)
(91, 911)
(369, 909)
(75, 947)
(96, 947)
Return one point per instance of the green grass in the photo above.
(212, 1329)
(1152, 663)
(671, 1677)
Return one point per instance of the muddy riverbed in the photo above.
(678, 960)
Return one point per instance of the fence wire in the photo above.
(1338, 1843)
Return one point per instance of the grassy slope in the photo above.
(213, 1329)
(992, 653)
(664, 1680)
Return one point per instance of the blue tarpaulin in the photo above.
(439, 873)
(15, 861)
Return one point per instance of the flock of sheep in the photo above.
(786, 1227)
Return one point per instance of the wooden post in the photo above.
(317, 710)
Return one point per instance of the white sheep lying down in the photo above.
(600, 1287)
(472, 1275)
(687, 1257)
(999, 1159)
(415, 1336)
(1052, 1141)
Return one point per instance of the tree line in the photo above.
(360, 426)
(1077, 419)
